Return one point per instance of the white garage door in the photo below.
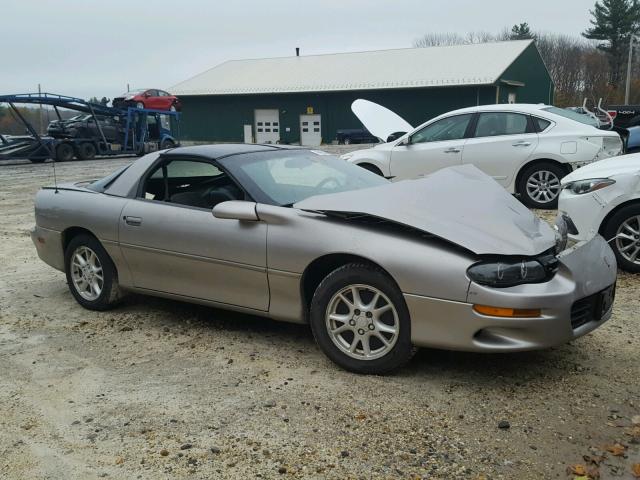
(267, 126)
(310, 135)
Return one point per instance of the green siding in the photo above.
(221, 117)
(529, 69)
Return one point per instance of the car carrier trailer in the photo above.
(139, 130)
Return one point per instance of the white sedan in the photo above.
(605, 198)
(526, 148)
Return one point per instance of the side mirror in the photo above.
(236, 210)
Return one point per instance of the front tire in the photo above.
(539, 185)
(139, 105)
(91, 275)
(360, 320)
(622, 230)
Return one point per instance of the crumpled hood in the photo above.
(459, 204)
(624, 164)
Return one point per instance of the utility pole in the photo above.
(40, 113)
(627, 91)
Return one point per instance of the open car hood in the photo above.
(459, 204)
(380, 121)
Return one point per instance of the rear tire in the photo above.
(369, 333)
(64, 152)
(86, 151)
(91, 275)
(539, 185)
(625, 221)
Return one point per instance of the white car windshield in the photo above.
(285, 177)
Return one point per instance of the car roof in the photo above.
(502, 107)
(221, 150)
(123, 185)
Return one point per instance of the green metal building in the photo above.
(305, 99)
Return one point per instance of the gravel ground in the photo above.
(158, 389)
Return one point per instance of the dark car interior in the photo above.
(194, 184)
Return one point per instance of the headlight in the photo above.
(507, 274)
(580, 187)
(346, 156)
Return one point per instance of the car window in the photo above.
(162, 93)
(578, 117)
(450, 128)
(286, 177)
(190, 183)
(541, 124)
(153, 93)
(491, 124)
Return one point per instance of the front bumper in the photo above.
(585, 270)
(49, 246)
(586, 212)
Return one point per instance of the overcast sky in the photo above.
(95, 47)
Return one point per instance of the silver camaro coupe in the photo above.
(376, 268)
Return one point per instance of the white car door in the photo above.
(502, 142)
(435, 146)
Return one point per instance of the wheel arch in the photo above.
(565, 166)
(72, 232)
(322, 266)
(371, 167)
(616, 209)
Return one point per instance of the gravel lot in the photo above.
(160, 389)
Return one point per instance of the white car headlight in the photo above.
(580, 187)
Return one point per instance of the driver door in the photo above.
(435, 146)
(173, 244)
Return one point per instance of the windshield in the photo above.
(285, 177)
(102, 184)
(570, 114)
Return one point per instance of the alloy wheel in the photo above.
(362, 322)
(86, 273)
(628, 239)
(543, 186)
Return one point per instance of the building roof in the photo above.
(477, 64)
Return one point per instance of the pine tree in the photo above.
(613, 22)
(521, 32)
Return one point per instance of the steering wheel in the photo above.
(328, 180)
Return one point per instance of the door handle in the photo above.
(452, 150)
(522, 144)
(133, 221)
